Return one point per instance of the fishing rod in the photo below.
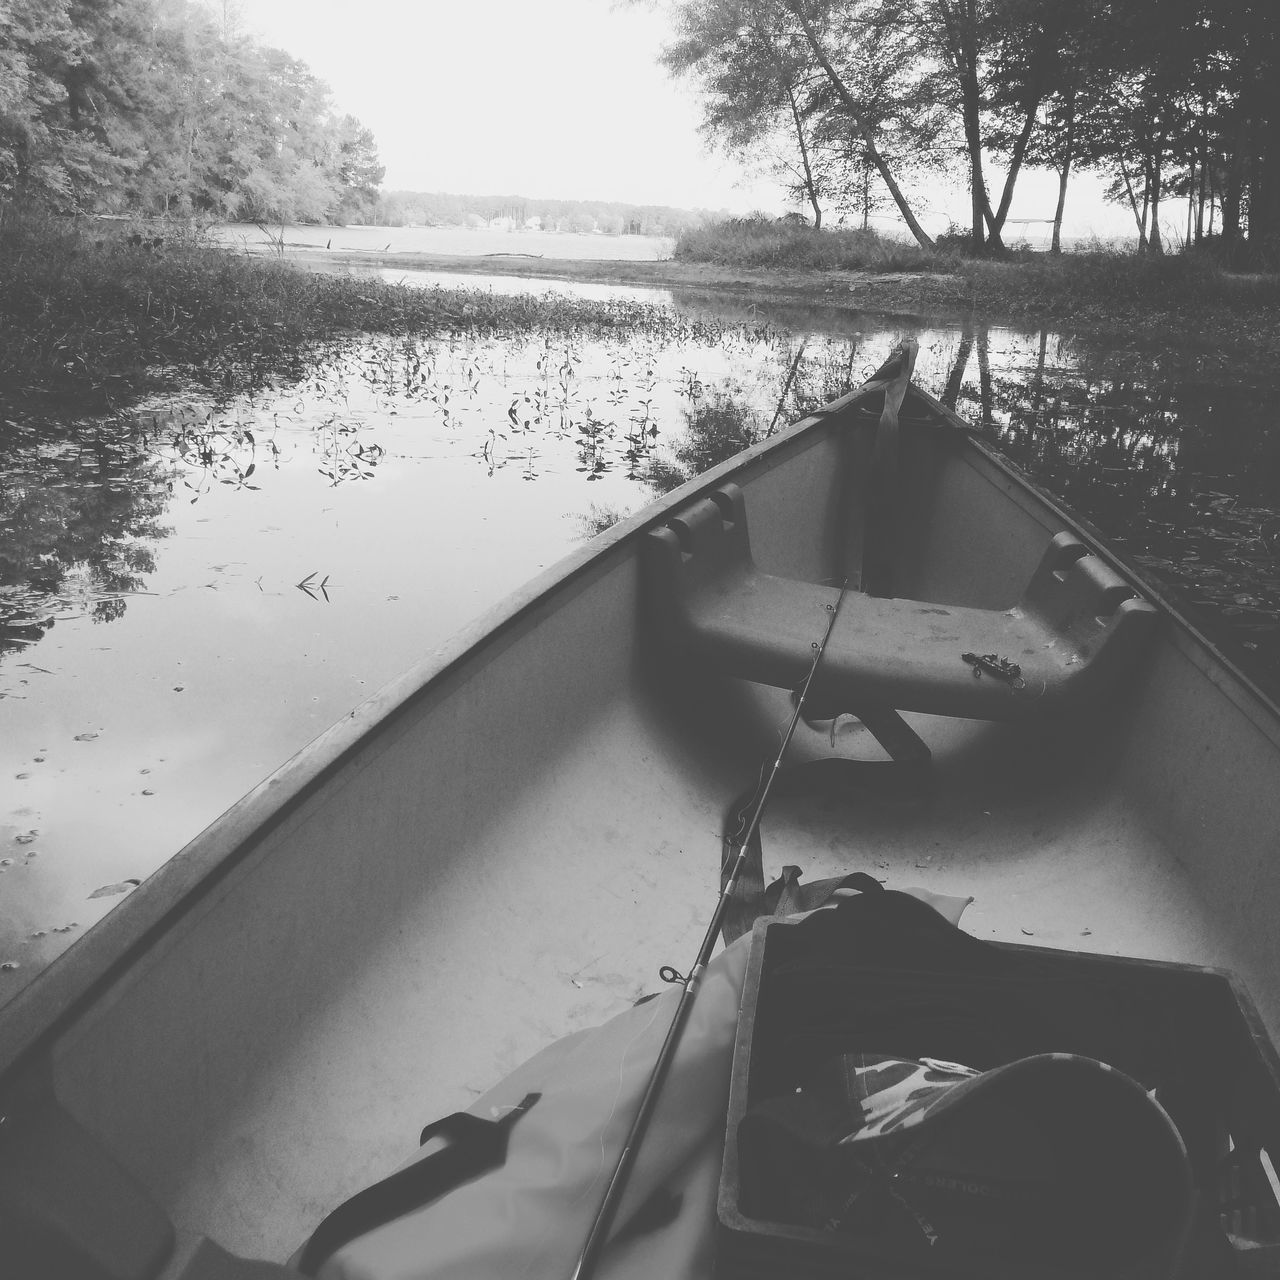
(605, 1214)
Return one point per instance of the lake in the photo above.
(465, 241)
(189, 593)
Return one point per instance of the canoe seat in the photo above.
(1077, 631)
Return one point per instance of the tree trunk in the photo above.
(1064, 173)
(809, 186)
(1140, 219)
(1191, 205)
(1233, 190)
(1202, 193)
(978, 204)
(1154, 242)
(864, 132)
(996, 224)
(962, 48)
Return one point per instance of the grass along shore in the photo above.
(93, 313)
(1096, 285)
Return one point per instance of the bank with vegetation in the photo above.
(1094, 287)
(94, 312)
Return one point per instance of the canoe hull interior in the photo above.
(507, 843)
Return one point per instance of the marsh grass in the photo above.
(96, 313)
(762, 242)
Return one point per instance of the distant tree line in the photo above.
(439, 209)
(1175, 102)
(160, 107)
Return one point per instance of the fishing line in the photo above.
(617, 1097)
(598, 1234)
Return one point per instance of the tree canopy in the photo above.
(1167, 99)
(155, 106)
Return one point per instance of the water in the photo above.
(189, 594)
(508, 285)
(464, 241)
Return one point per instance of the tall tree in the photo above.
(1050, 64)
(757, 88)
(157, 106)
(36, 42)
(857, 43)
(353, 158)
(820, 68)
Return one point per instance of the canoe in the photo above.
(504, 844)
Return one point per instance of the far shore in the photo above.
(865, 290)
(937, 294)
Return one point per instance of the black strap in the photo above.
(475, 1146)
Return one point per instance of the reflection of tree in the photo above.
(717, 427)
(1179, 472)
(78, 511)
(725, 420)
(826, 374)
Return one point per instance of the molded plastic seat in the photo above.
(1078, 629)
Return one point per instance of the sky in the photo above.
(531, 97)
(551, 98)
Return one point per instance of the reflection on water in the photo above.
(189, 594)
(81, 511)
(1175, 463)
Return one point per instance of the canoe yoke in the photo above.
(1077, 631)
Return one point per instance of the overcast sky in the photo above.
(536, 97)
(546, 98)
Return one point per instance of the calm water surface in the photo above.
(480, 242)
(190, 594)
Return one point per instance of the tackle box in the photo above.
(1206, 1055)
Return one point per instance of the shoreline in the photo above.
(862, 290)
(995, 292)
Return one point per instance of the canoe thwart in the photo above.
(1078, 630)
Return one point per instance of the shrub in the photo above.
(765, 242)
